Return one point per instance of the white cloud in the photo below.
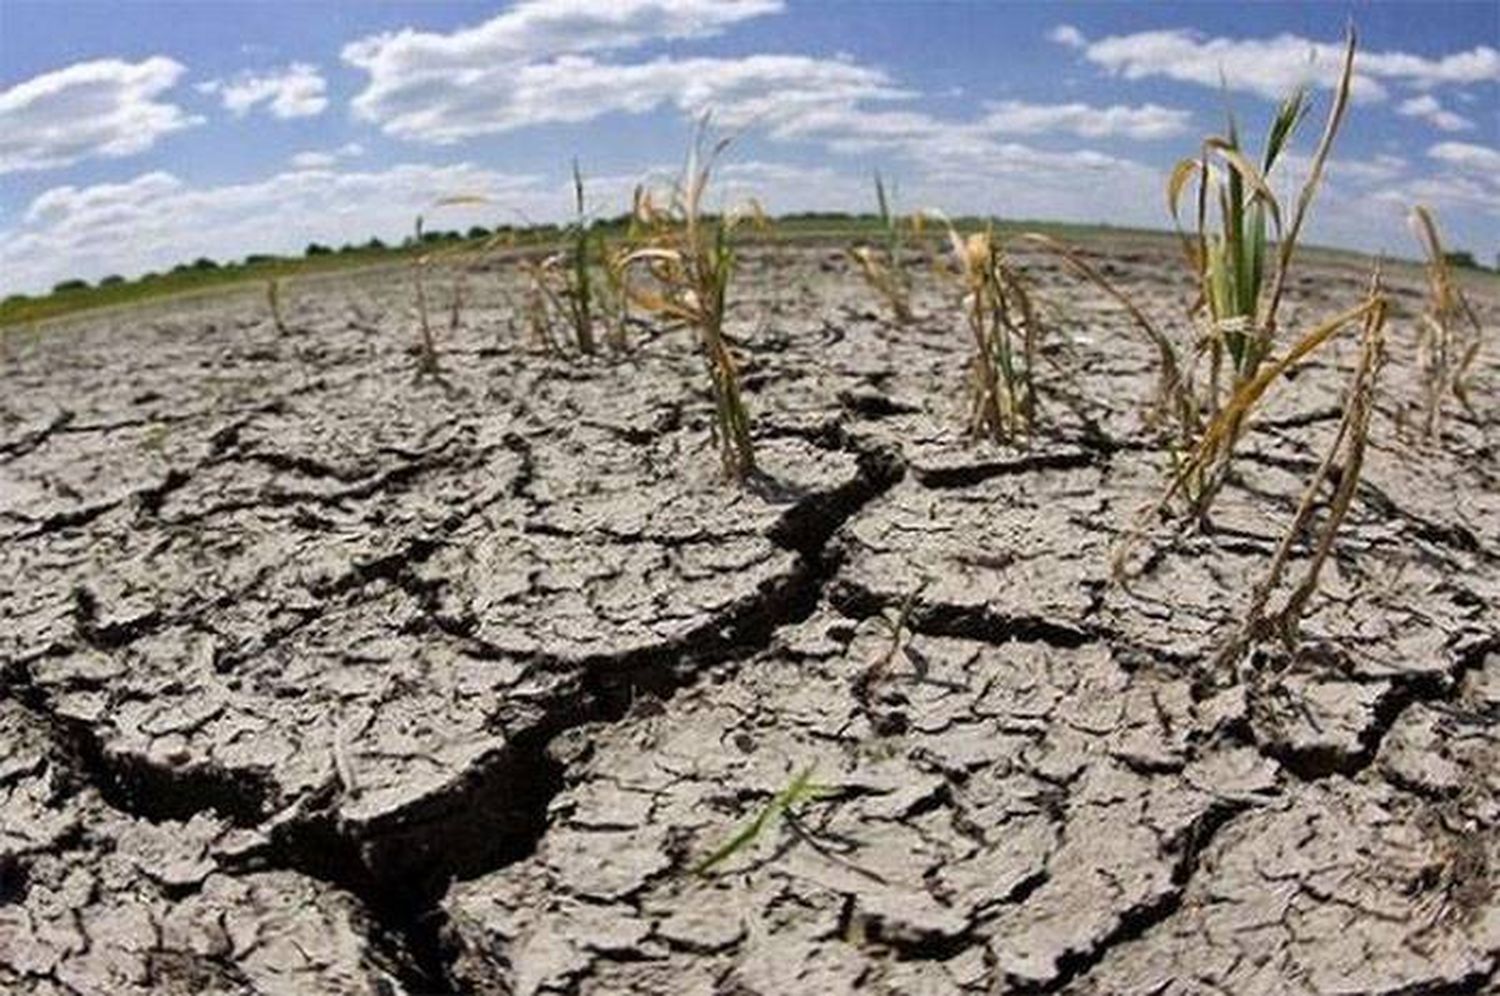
(156, 220)
(1430, 109)
(1376, 169)
(935, 143)
(1480, 64)
(966, 167)
(779, 187)
(1271, 67)
(575, 88)
(1067, 34)
(1464, 190)
(105, 108)
(313, 159)
(1339, 174)
(766, 90)
(1143, 122)
(1468, 156)
(296, 91)
(537, 29)
(538, 63)
(1463, 195)
(784, 188)
(104, 202)
(440, 87)
(568, 61)
(321, 159)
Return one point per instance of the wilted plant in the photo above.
(1199, 474)
(540, 303)
(688, 261)
(1241, 276)
(578, 291)
(1007, 333)
(273, 301)
(1238, 294)
(1238, 300)
(616, 302)
(881, 266)
(1341, 467)
(799, 790)
(562, 287)
(1238, 305)
(427, 362)
(1449, 333)
(456, 302)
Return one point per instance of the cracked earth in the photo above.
(316, 678)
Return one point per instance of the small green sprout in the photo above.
(799, 790)
(898, 625)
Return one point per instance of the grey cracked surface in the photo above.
(96, 901)
(318, 679)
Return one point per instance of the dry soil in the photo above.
(318, 678)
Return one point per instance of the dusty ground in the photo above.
(315, 679)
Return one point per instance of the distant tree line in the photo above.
(201, 265)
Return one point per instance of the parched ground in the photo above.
(318, 679)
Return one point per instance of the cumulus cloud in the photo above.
(575, 88)
(1480, 64)
(1067, 34)
(1143, 122)
(326, 159)
(533, 30)
(1468, 156)
(105, 108)
(766, 90)
(549, 61)
(940, 145)
(1460, 194)
(313, 159)
(1367, 202)
(1270, 67)
(1428, 108)
(500, 74)
(1339, 173)
(296, 91)
(157, 220)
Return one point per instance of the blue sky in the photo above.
(135, 134)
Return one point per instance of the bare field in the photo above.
(317, 677)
